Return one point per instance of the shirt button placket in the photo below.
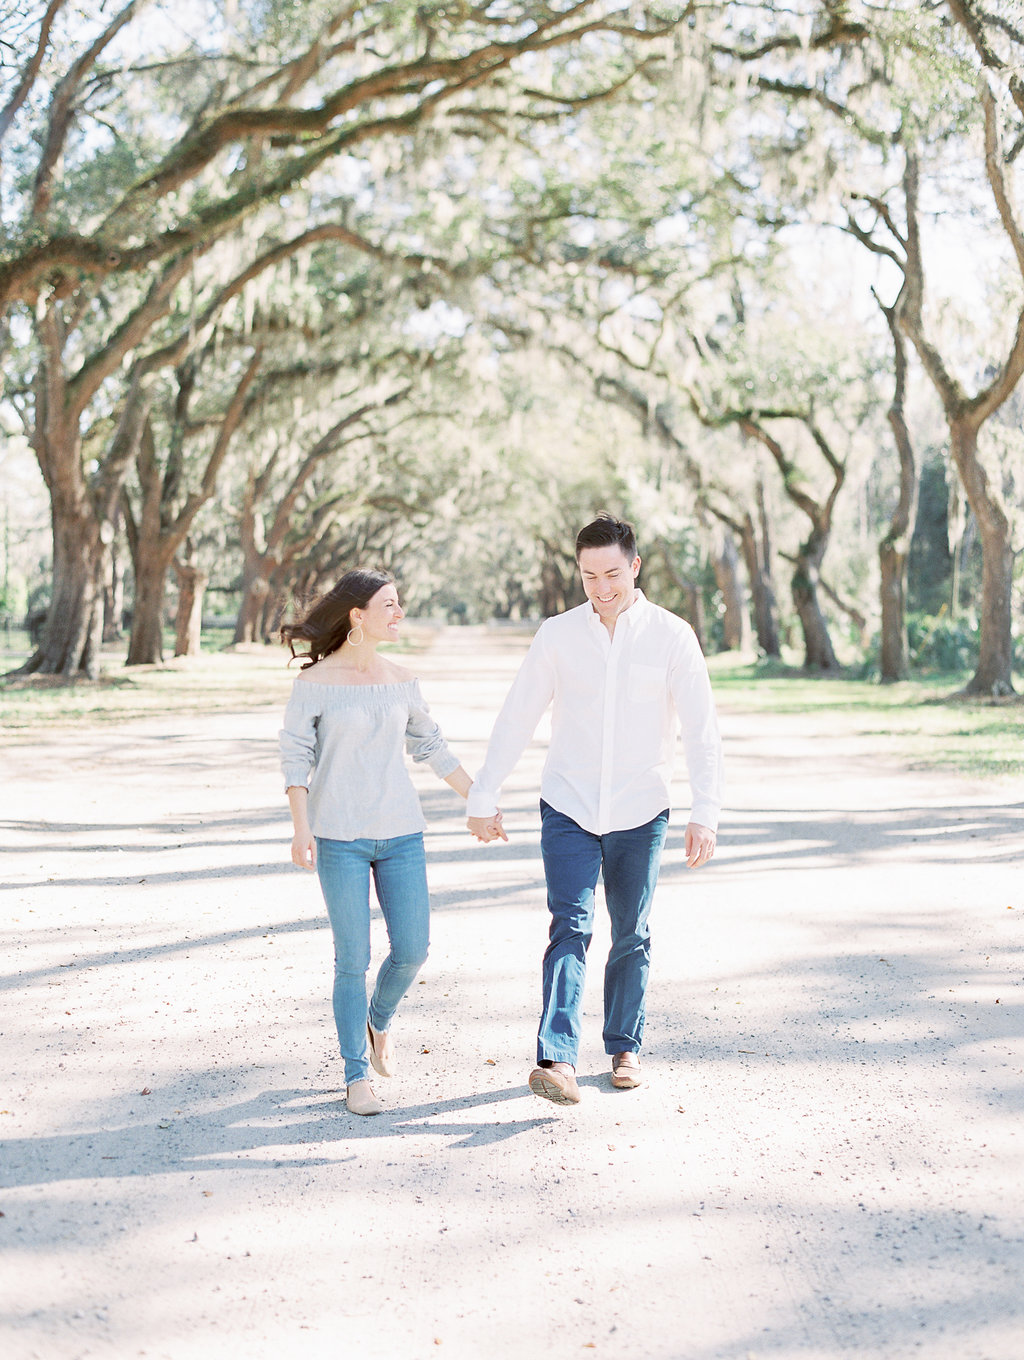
(611, 688)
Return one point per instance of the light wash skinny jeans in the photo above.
(399, 870)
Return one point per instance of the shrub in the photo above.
(938, 643)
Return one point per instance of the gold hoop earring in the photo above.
(352, 640)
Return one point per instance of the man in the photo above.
(622, 675)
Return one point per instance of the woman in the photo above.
(354, 809)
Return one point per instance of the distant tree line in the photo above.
(428, 284)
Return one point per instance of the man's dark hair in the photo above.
(607, 531)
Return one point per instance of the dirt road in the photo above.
(826, 1160)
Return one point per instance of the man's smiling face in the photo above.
(609, 579)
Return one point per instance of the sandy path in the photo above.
(826, 1160)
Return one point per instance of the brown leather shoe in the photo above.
(626, 1071)
(555, 1083)
(382, 1051)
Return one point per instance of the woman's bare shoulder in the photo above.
(315, 671)
(397, 675)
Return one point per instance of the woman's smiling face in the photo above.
(381, 617)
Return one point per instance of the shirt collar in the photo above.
(630, 615)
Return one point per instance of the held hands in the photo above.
(700, 845)
(487, 829)
(700, 840)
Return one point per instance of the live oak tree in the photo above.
(634, 241)
(894, 102)
(131, 154)
(285, 514)
(966, 411)
(312, 317)
(146, 180)
(894, 549)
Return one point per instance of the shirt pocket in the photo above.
(646, 684)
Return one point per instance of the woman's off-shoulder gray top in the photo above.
(344, 742)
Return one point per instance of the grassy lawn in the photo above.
(920, 721)
(923, 721)
(217, 680)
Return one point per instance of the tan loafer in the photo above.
(360, 1099)
(382, 1051)
(554, 1083)
(626, 1072)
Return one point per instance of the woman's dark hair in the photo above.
(326, 626)
(606, 531)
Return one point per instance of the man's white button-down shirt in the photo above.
(618, 702)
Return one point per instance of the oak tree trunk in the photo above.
(762, 593)
(272, 614)
(693, 594)
(146, 646)
(113, 596)
(188, 621)
(818, 652)
(73, 632)
(725, 564)
(557, 584)
(894, 549)
(250, 610)
(894, 656)
(965, 417)
(994, 673)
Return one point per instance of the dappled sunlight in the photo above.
(834, 1058)
(290, 289)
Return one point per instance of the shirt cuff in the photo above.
(705, 814)
(444, 764)
(480, 803)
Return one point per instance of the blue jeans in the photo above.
(399, 870)
(573, 859)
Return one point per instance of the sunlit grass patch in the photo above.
(983, 746)
(926, 721)
(209, 683)
(231, 679)
(790, 689)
